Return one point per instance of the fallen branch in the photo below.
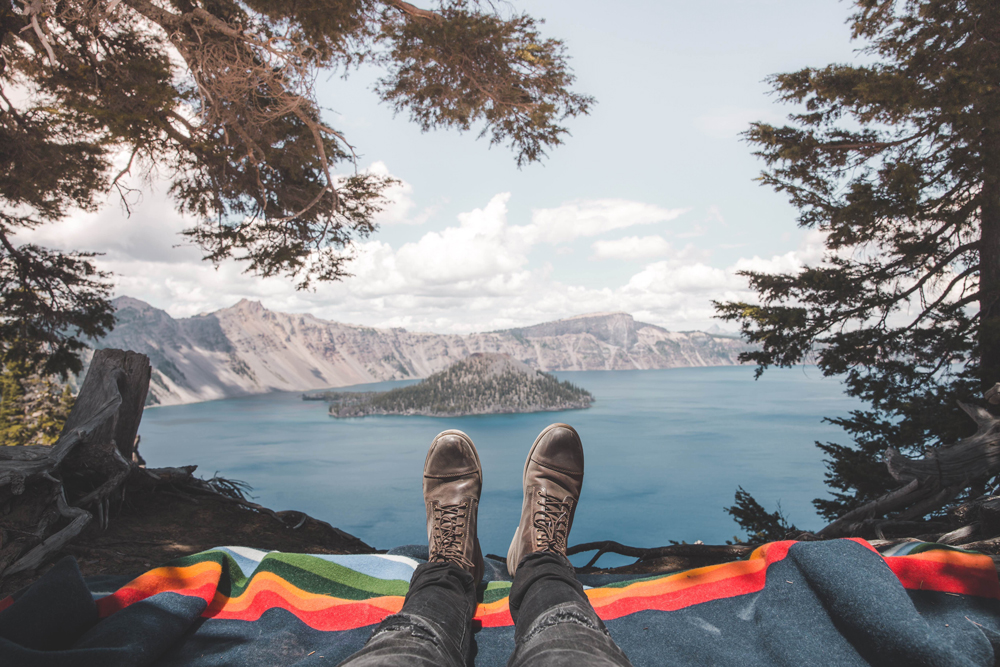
(35, 557)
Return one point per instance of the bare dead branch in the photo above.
(414, 11)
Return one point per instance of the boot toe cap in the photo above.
(452, 454)
(560, 449)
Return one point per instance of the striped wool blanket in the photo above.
(789, 603)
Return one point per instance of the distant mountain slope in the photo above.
(247, 349)
(482, 384)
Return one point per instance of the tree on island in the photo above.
(219, 96)
(897, 162)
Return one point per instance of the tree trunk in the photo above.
(989, 248)
(7, 25)
(45, 490)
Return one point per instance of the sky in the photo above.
(650, 207)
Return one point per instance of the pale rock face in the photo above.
(247, 349)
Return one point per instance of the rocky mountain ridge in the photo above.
(247, 349)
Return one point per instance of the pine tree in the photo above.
(51, 407)
(13, 430)
(33, 407)
(897, 162)
(218, 94)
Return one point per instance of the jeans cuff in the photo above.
(547, 556)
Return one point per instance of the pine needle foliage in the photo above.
(897, 162)
(218, 97)
(33, 407)
(760, 525)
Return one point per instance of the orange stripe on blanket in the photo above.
(6, 602)
(198, 580)
(668, 593)
(947, 572)
(265, 591)
(690, 588)
(343, 615)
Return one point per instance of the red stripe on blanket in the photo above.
(947, 572)
(123, 597)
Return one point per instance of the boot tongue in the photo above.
(451, 523)
(551, 521)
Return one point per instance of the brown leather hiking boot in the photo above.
(453, 480)
(553, 477)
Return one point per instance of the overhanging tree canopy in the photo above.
(898, 163)
(218, 95)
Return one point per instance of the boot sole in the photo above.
(524, 475)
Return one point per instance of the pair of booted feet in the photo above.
(555, 623)
(453, 481)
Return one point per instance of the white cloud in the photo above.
(672, 278)
(477, 273)
(400, 208)
(593, 217)
(482, 246)
(632, 247)
(809, 252)
(714, 214)
(150, 233)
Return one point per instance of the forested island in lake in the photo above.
(478, 385)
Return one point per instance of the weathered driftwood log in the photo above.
(657, 559)
(930, 483)
(679, 557)
(45, 490)
(977, 456)
(721, 553)
(78, 519)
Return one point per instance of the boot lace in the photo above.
(551, 522)
(450, 523)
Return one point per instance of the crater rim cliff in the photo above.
(247, 349)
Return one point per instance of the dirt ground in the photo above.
(154, 526)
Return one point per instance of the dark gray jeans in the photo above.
(555, 623)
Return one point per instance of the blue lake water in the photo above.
(665, 451)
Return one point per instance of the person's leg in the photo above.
(555, 622)
(434, 627)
